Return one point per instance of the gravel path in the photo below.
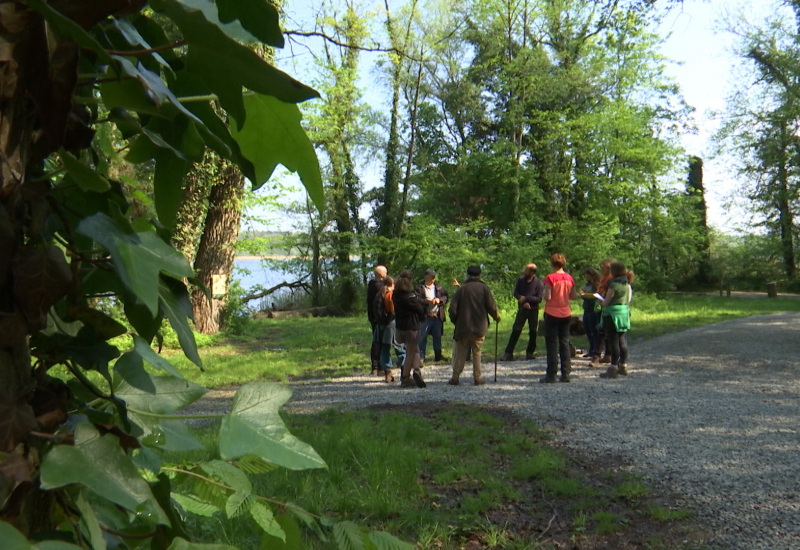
(710, 413)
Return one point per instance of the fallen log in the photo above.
(267, 292)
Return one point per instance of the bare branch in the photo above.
(336, 42)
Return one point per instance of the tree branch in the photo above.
(267, 292)
(341, 44)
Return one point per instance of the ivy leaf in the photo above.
(138, 257)
(99, 463)
(263, 516)
(259, 17)
(348, 536)
(272, 135)
(255, 427)
(183, 544)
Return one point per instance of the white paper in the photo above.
(597, 296)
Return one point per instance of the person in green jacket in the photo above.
(616, 319)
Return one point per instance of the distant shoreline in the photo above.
(276, 257)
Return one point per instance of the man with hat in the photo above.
(436, 297)
(469, 310)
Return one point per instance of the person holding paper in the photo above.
(591, 311)
(616, 318)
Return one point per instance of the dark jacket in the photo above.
(532, 291)
(409, 310)
(438, 292)
(470, 307)
(373, 287)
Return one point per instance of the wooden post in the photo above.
(772, 290)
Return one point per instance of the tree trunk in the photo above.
(214, 260)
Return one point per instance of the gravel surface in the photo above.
(710, 413)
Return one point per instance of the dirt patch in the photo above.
(607, 507)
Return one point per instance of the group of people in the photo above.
(402, 317)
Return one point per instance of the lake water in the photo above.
(252, 272)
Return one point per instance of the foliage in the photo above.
(445, 477)
(80, 453)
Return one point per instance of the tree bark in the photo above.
(214, 260)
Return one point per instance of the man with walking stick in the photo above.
(469, 311)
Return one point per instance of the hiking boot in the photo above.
(547, 380)
(374, 371)
(480, 381)
(388, 376)
(612, 372)
(407, 383)
(418, 379)
(622, 369)
(530, 356)
(507, 356)
(454, 382)
(439, 358)
(605, 360)
(595, 362)
(564, 378)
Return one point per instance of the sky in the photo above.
(703, 62)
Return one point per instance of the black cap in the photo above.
(430, 272)
(474, 270)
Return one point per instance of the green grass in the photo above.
(327, 347)
(442, 477)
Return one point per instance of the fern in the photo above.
(385, 541)
(348, 536)
(228, 474)
(238, 503)
(252, 464)
(195, 505)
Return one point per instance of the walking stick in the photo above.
(496, 329)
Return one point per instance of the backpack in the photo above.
(382, 317)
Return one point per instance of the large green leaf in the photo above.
(272, 135)
(234, 29)
(177, 308)
(263, 516)
(292, 536)
(226, 66)
(68, 28)
(255, 427)
(87, 178)
(385, 541)
(152, 394)
(259, 17)
(14, 540)
(138, 257)
(155, 86)
(147, 353)
(167, 186)
(99, 463)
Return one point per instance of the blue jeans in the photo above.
(386, 349)
(591, 320)
(434, 327)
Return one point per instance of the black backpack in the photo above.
(382, 317)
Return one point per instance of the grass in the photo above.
(447, 477)
(327, 347)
